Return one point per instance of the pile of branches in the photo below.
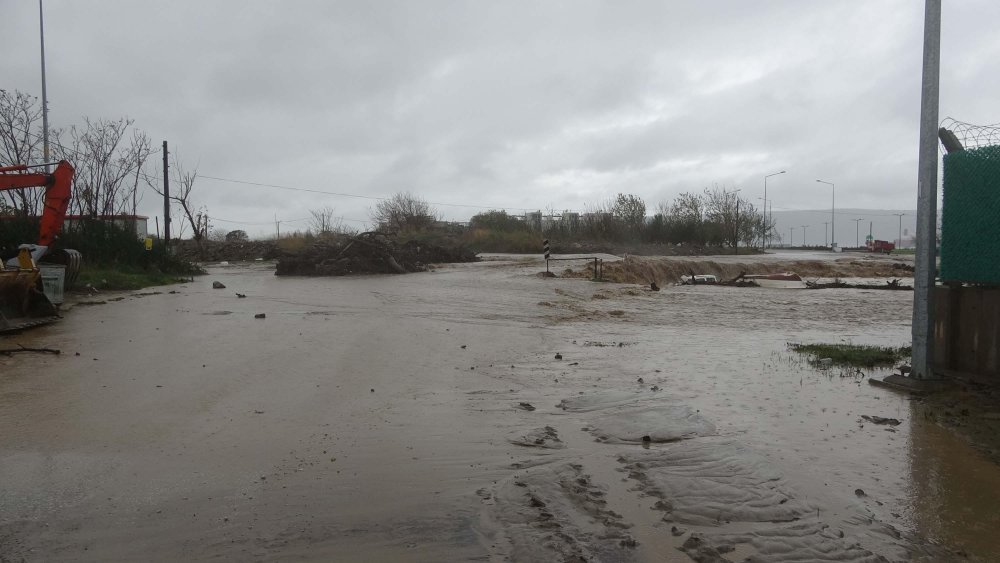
(369, 253)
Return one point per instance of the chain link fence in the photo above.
(970, 216)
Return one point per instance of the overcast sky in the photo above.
(511, 104)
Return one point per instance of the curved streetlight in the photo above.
(764, 228)
(833, 208)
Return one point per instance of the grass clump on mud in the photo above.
(854, 355)
(124, 278)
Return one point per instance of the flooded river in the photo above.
(476, 412)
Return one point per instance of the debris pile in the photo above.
(232, 251)
(369, 253)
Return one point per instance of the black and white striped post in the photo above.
(545, 251)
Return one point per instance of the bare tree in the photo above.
(109, 157)
(20, 115)
(737, 218)
(402, 212)
(722, 208)
(323, 221)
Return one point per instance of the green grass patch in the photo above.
(124, 278)
(854, 355)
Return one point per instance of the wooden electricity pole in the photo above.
(166, 196)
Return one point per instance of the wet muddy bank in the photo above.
(387, 418)
(662, 270)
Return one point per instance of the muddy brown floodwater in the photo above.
(425, 417)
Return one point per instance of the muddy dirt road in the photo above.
(426, 418)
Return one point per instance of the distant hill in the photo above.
(883, 224)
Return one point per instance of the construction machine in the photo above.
(23, 302)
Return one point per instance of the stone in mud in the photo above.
(218, 285)
(260, 316)
(526, 406)
(881, 420)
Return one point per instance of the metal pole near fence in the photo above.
(926, 254)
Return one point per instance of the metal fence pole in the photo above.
(926, 254)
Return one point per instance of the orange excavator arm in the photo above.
(57, 193)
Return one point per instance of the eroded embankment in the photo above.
(641, 270)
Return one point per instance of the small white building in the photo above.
(124, 221)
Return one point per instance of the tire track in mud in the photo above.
(575, 502)
(687, 494)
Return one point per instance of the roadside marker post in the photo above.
(545, 250)
(598, 262)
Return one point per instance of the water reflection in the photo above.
(956, 496)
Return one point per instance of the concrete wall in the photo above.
(967, 331)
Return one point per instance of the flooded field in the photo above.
(477, 412)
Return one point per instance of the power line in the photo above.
(279, 220)
(342, 194)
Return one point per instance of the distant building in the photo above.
(571, 221)
(534, 220)
(121, 220)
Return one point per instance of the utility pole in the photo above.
(804, 235)
(277, 228)
(166, 196)
(899, 241)
(791, 238)
(45, 98)
(926, 254)
(825, 225)
(857, 232)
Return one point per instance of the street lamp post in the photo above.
(45, 98)
(826, 224)
(804, 235)
(766, 226)
(857, 237)
(899, 241)
(736, 238)
(791, 237)
(833, 210)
